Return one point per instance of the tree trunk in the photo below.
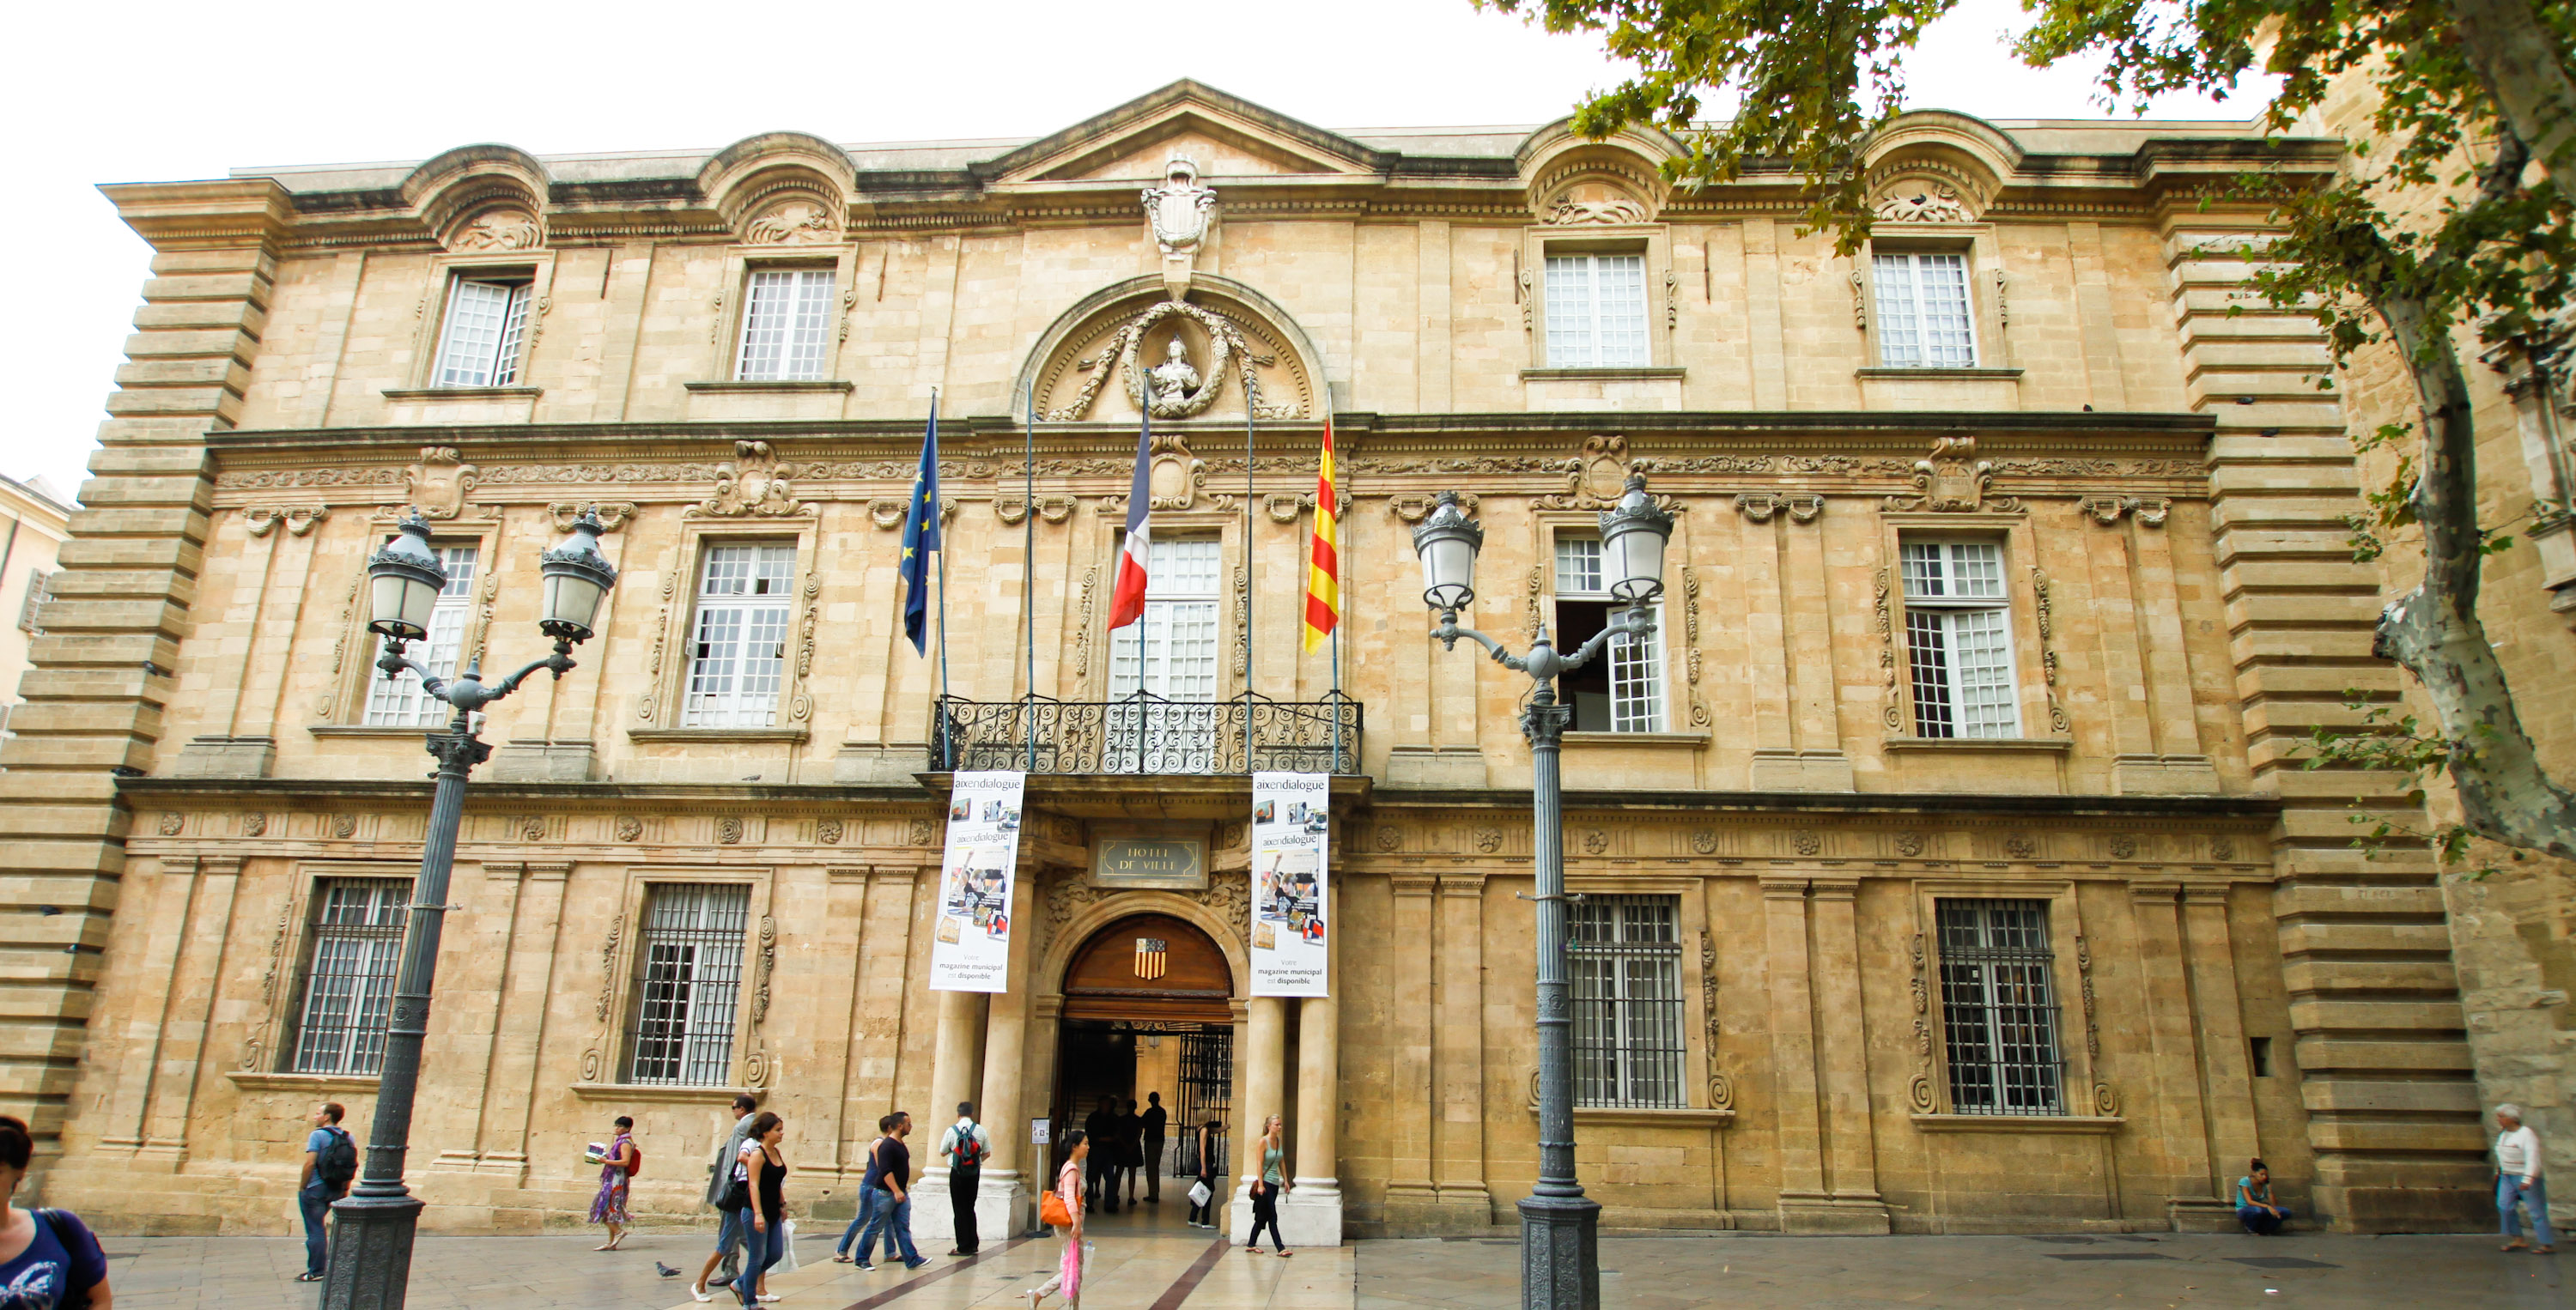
(2434, 631)
(2519, 59)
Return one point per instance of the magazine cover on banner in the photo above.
(970, 950)
(1291, 819)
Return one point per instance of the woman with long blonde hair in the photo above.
(1267, 1188)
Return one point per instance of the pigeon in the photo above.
(665, 1270)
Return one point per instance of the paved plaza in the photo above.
(1162, 1265)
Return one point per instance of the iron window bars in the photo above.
(1999, 1007)
(688, 983)
(357, 938)
(1625, 955)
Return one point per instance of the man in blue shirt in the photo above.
(330, 1161)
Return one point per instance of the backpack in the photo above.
(63, 1226)
(337, 1163)
(965, 1153)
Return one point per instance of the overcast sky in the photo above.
(150, 90)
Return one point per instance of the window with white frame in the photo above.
(1596, 312)
(786, 324)
(356, 937)
(1170, 654)
(1958, 640)
(1625, 955)
(1923, 311)
(688, 983)
(485, 328)
(398, 700)
(31, 607)
(1622, 689)
(1999, 1007)
(738, 654)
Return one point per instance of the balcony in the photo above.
(1145, 734)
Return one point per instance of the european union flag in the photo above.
(921, 537)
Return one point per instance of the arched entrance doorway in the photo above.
(1148, 1009)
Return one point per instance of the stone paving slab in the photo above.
(1138, 1269)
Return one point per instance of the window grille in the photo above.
(688, 983)
(1171, 653)
(1923, 316)
(357, 937)
(486, 324)
(1625, 955)
(1958, 640)
(398, 700)
(1999, 1007)
(1207, 1092)
(786, 325)
(1596, 311)
(1631, 688)
(738, 661)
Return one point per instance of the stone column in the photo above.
(2219, 1017)
(1003, 1204)
(2194, 1204)
(955, 1073)
(1312, 1215)
(1264, 1060)
(1409, 1190)
(1458, 1048)
(1803, 1199)
(1851, 1150)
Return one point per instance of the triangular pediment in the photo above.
(1227, 136)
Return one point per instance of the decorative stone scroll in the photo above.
(299, 519)
(1922, 202)
(753, 484)
(438, 482)
(2047, 647)
(793, 223)
(1919, 1089)
(2106, 509)
(1952, 480)
(1759, 506)
(499, 228)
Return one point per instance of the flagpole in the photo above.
(1029, 561)
(942, 552)
(1248, 396)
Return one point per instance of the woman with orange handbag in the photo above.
(1062, 1208)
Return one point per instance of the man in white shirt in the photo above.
(2518, 1181)
(964, 1148)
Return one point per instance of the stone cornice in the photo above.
(485, 795)
(2250, 809)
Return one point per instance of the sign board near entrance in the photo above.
(1176, 863)
(970, 949)
(1291, 820)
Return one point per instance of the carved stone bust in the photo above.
(1173, 380)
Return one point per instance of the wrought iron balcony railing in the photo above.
(1146, 734)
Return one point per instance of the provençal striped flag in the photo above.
(1324, 562)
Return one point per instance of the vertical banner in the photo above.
(1291, 818)
(970, 950)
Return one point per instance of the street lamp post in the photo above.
(1560, 1226)
(371, 1240)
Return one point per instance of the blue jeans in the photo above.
(894, 1219)
(316, 1205)
(2262, 1222)
(2509, 1189)
(859, 1223)
(759, 1252)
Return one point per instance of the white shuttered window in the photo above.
(487, 322)
(1170, 652)
(786, 325)
(1958, 640)
(1596, 312)
(738, 657)
(1923, 316)
(400, 701)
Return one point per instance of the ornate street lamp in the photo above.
(1560, 1227)
(371, 1240)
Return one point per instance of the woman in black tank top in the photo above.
(764, 1167)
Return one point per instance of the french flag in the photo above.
(1127, 597)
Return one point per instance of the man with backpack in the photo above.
(330, 1165)
(964, 1148)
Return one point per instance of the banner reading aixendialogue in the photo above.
(970, 950)
(1291, 818)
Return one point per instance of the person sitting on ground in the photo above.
(2254, 1207)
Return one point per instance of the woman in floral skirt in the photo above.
(609, 1207)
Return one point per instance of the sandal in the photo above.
(842, 1260)
(2516, 1244)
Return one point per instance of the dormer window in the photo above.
(1596, 312)
(484, 332)
(1924, 318)
(786, 325)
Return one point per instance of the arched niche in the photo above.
(781, 188)
(1093, 364)
(1572, 181)
(1935, 165)
(480, 197)
(1111, 976)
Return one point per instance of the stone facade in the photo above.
(2227, 978)
(38, 522)
(2513, 926)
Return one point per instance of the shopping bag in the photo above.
(786, 1246)
(1199, 1193)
